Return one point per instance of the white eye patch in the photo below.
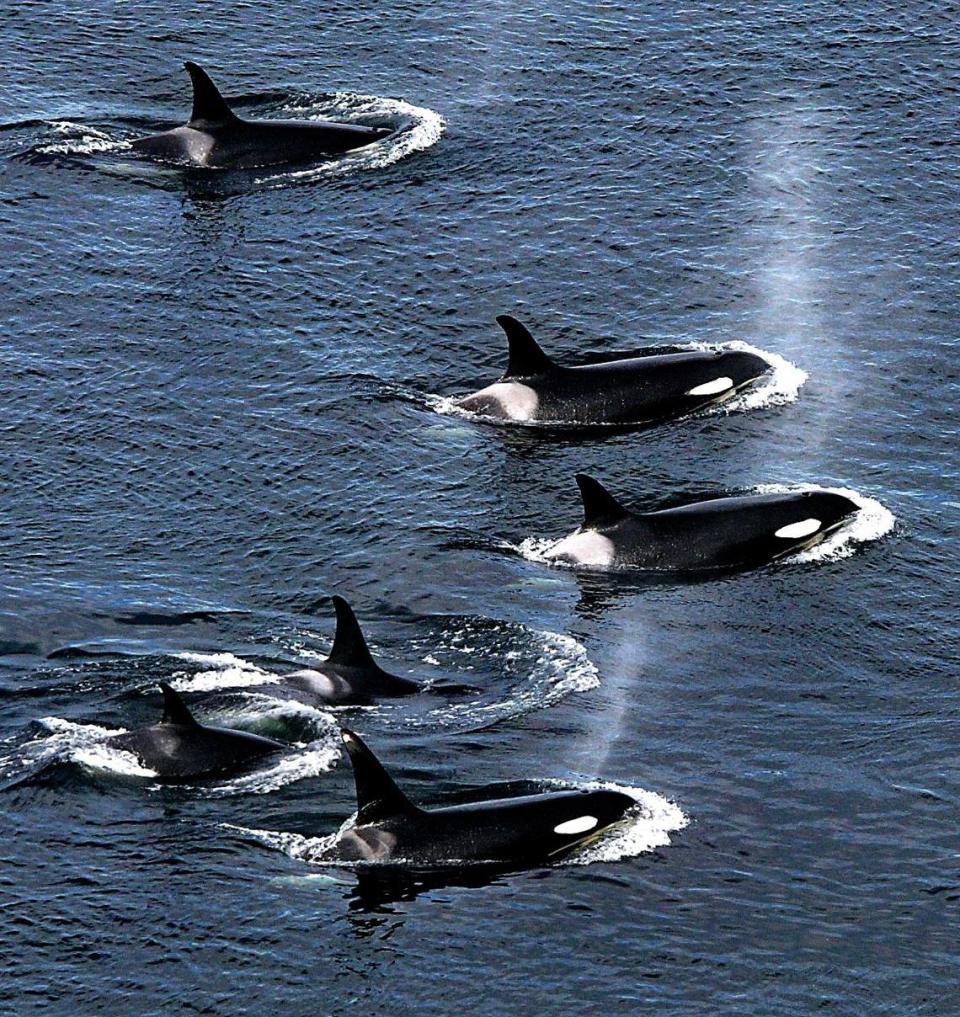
(796, 530)
(579, 825)
(714, 387)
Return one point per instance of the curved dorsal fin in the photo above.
(600, 508)
(527, 360)
(174, 709)
(378, 797)
(349, 647)
(209, 106)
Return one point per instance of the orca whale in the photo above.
(180, 749)
(215, 137)
(628, 391)
(526, 830)
(722, 533)
(351, 677)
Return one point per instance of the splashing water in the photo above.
(84, 744)
(294, 845)
(777, 388)
(88, 746)
(223, 671)
(560, 669)
(422, 128)
(81, 139)
(309, 760)
(302, 759)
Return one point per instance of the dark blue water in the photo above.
(217, 407)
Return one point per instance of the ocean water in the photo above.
(224, 397)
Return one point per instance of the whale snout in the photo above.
(828, 506)
(614, 805)
(743, 367)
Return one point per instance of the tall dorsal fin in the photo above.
(378, 797)
(209, 106)
(349, 647)
(174, 709)
(527, 360)
(600, 508)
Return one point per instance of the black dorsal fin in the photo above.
(378, 797)
(174, 709)
(600, 508)
(349, 647)
(209, 106)
(527, 360)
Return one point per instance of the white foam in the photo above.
(109, 759)
(57, 726)
(417, 129)
(449, 407)
(260, 709)
(300, 760)
(293, 845)
(224, 671)
(872, 521)
(84, 744)
(88, 745)
(536, 549)
(308, 760)
(546, 668)
(542, 668)
(422, 129)
(81, 140)
(560, 669)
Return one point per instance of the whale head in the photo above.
(719, 375)
(809, 516)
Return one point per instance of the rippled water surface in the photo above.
(219, 405)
